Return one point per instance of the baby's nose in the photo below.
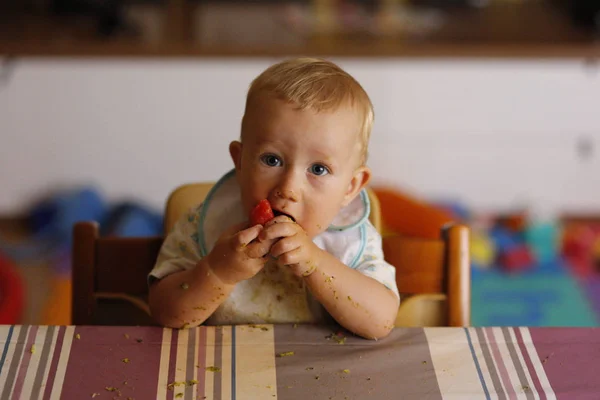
(286, 194)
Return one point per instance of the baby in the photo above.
(303, 147)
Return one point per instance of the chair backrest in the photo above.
(189, 195)
(433, 276)
(110, 277)
(182, 199)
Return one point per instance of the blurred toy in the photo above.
(515, 222)
(11, 293)
(455, 209)
(503, 239)
(52, 220)
(542, 238)
(483, 250)
(577, 242)
(517, 259)
(596, 254)
(131, 220)
(404, 215)
(578, 246)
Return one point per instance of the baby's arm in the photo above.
(357, 302)
(188, 295)
(187, 298)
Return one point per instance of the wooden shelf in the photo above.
(526, 30)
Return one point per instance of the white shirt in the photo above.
(274, 295)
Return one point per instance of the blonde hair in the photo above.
(320, 85)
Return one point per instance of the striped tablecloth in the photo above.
(293, 363)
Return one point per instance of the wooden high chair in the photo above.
(110, 274)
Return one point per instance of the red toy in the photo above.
(12, 294)
(262, 213)
(517, 259)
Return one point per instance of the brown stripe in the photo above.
(172, 362)
(16, 359)
(218, 362)
(27, 354)
(489, 362)
(517, 363)
(530, 367)
(54, 364)
(376, 369)
(190, 370)
(39, 375)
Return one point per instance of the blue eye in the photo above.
(319, 169)
(270, 160)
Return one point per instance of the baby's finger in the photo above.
(279, 220)
(291, 257)
(244, 237)
(284, 246)
(278, 230)
(258, 249)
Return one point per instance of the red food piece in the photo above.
(262, 213)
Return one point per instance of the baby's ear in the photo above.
(235, 150)
(360, 179)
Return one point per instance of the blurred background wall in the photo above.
(495, 134)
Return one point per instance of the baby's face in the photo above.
(305, 163)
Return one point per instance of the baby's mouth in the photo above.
(277, 213)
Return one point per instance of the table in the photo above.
(297, 362)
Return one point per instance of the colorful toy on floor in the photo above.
(11, 293)
(577, 247)
(52, 220)
(596, 254)
(131, 220)
(514, 222)
(517, 259)
(483, 250)
(543, 239)
(504, 240)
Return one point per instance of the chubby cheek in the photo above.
(318, 220)
(253, 191)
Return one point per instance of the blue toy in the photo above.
(52, 221)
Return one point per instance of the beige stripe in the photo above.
(210, 361)
(196, 344)
(485, 372)
(49, 361)
(9, 354)
(508, 363)
(181, 359)
(34, 362)
(163, 369)
(226, 364)
(532, 388)
(537, 364)
(61, 369)
(255, 363)
(455, 374)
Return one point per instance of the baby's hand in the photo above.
(237, 256)
(292, 247)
